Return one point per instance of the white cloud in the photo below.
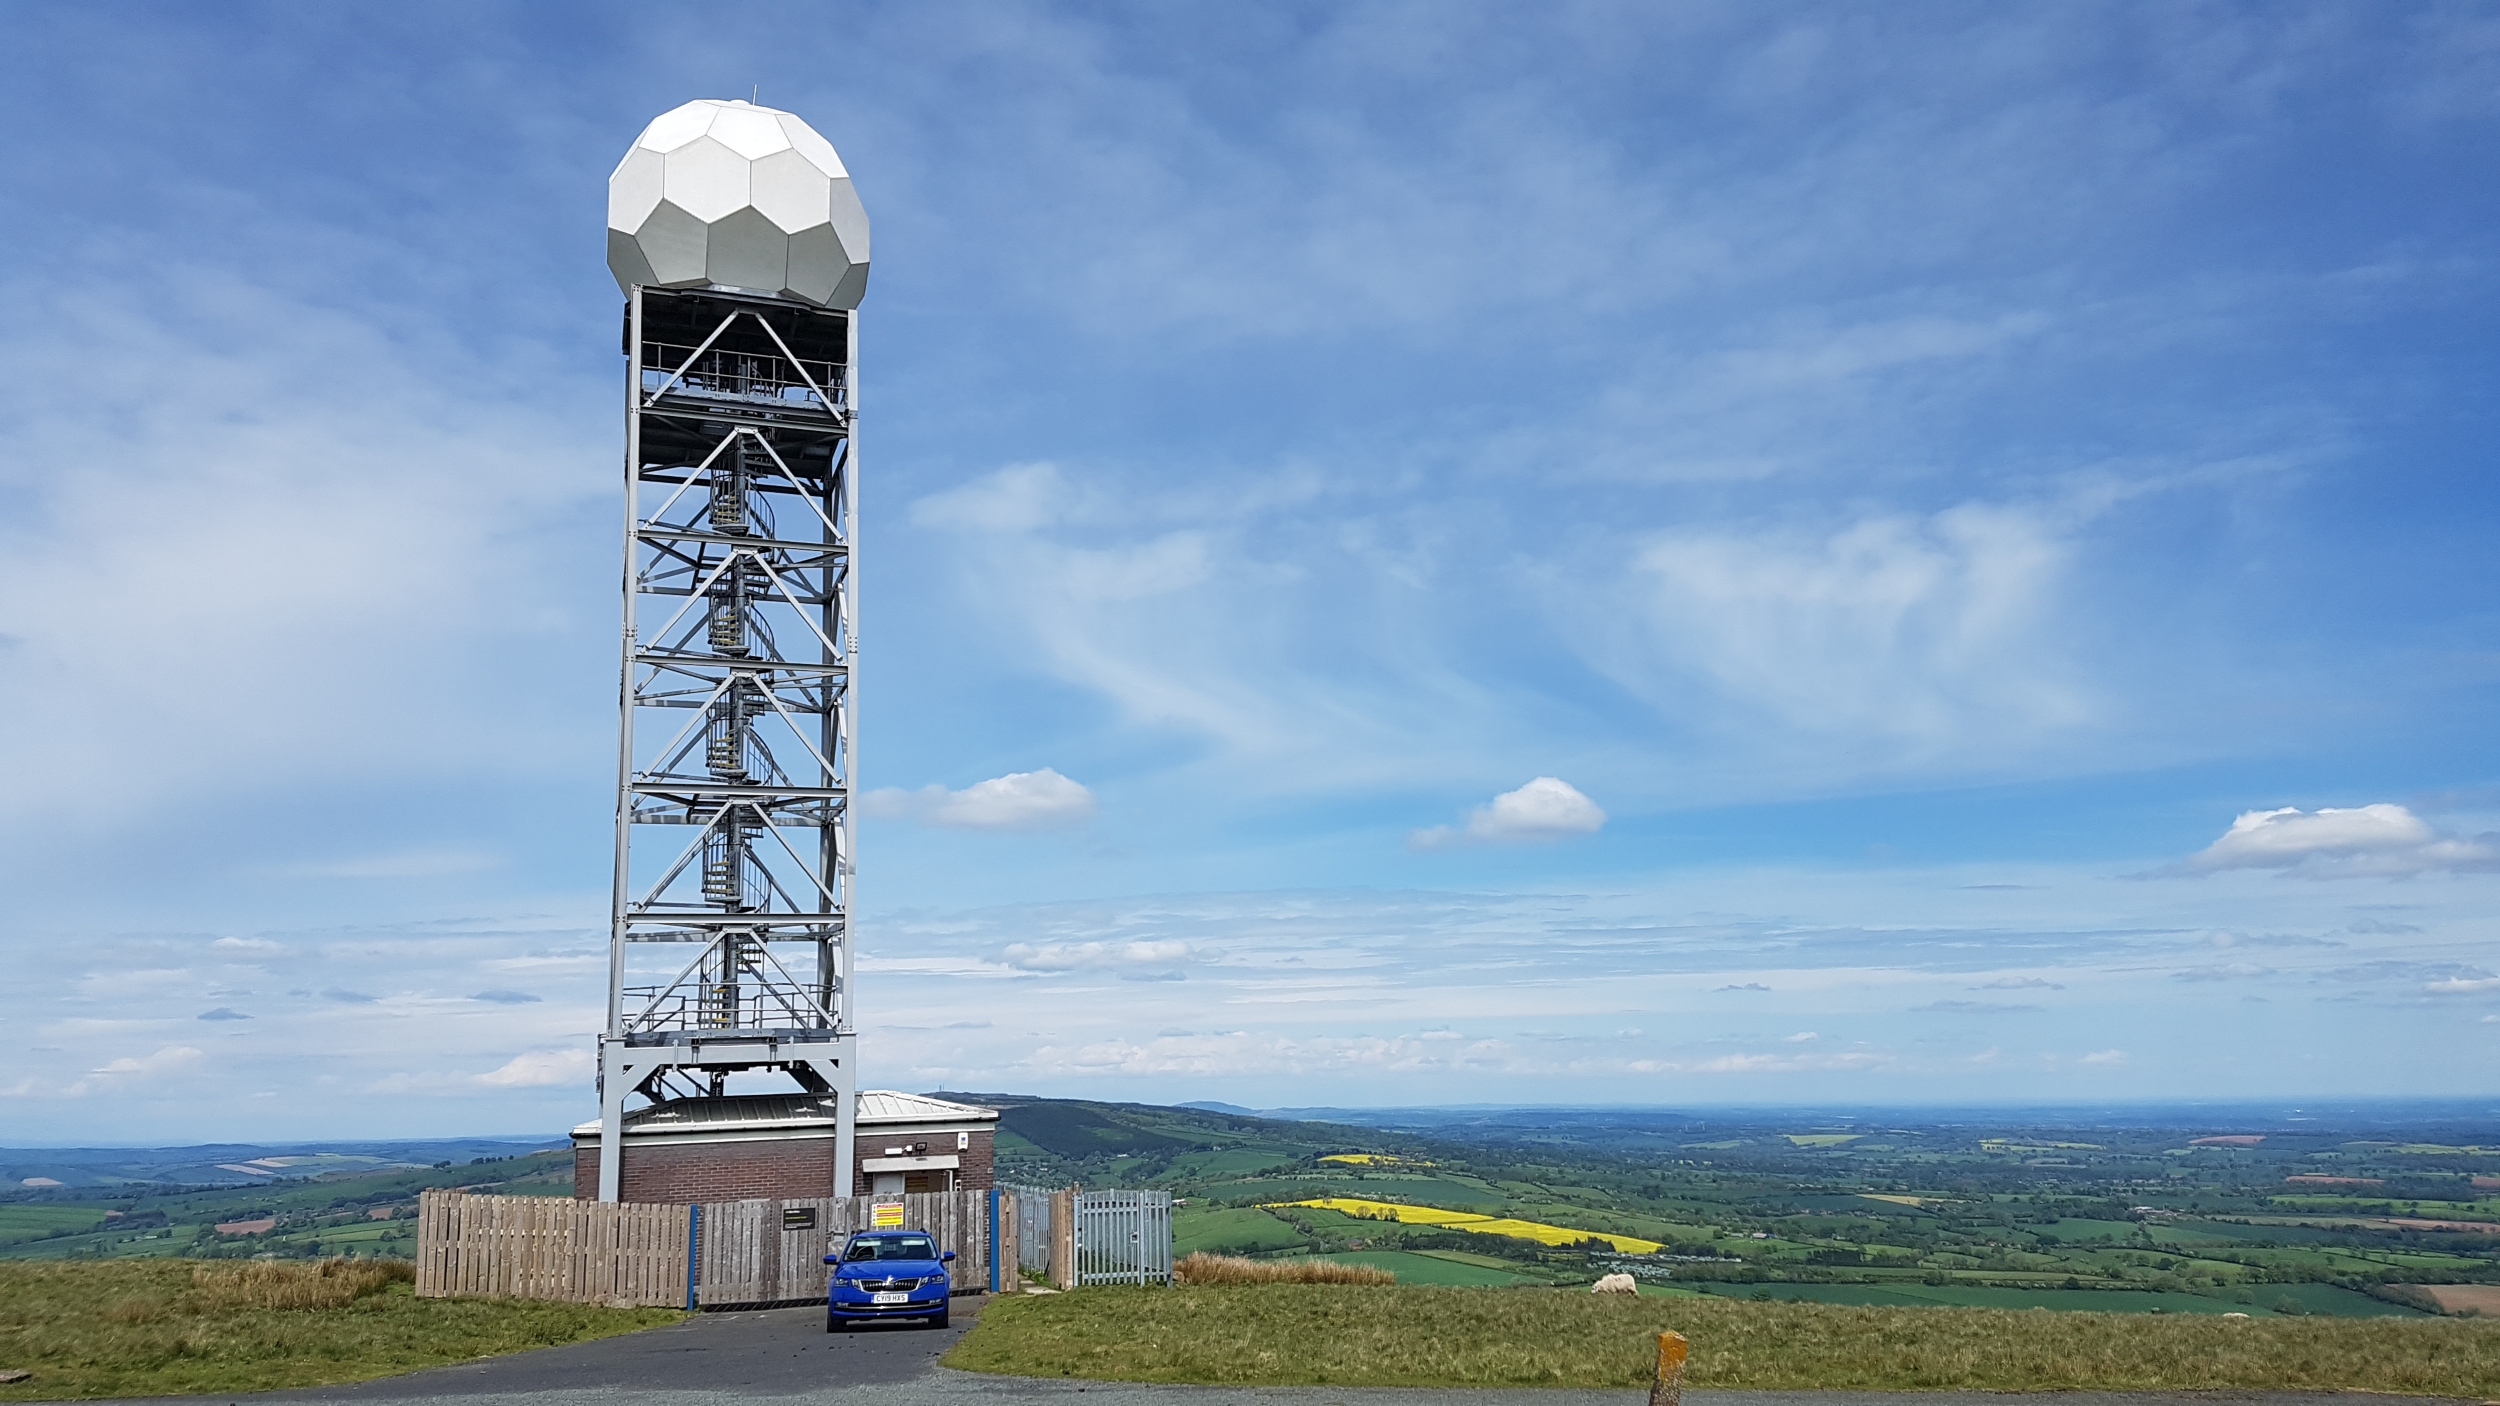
(1927, 631)
(2372, 841)
(246, 947)
(1017, 498)
(1242, 1051)
(541, 1067)
(1547, 808)
(124, 1074)
(164, 1061)
(1098, 956)
(186, 546)
(407, 864)
(2235, 971)
(2106, 1057)
(1020, 800)
(1777, 1063)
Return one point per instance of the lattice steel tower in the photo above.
(743, 252)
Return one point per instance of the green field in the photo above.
(1293, 1334)
(1431, 1267)
(1227, 1230)
(1233, 1161)
(30, 1222)
(2086, 1231)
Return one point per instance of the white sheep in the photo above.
(1616, 1284)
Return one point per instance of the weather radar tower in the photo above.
(743, 253)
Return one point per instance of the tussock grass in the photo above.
(154, 1327)
(331, 1283)
(1203, 1268)
(1303, 1334)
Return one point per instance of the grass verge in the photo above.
(1203, 1268)
(161, 1327)
(1311, 1334)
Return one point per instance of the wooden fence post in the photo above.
(1008, 1249)
(1063, 1239)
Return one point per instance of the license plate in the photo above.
(890, 1298)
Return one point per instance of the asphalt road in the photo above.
(786, 1354)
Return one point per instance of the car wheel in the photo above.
(940, 1320)
(832, 1324)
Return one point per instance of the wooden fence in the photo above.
(741, 1252)
(545, 1247)
(759, 1252)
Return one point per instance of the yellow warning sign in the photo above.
(886, 1215)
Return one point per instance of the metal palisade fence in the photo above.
(1123, 1237)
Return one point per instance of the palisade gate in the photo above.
(1123, 1237)
(1071, 1239)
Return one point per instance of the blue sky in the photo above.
(1911, 481)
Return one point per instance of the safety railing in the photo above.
(751, 377)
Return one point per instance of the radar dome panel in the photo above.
(728, 194)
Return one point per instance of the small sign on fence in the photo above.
(886, 1215)
(798, 1218)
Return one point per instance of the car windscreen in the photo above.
(890, 1247)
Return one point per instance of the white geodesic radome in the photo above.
(731, 194)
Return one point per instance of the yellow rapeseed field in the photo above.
(1482, 1225)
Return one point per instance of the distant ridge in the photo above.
(242, 1163)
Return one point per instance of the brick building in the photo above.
(781, 1145)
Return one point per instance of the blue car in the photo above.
(887, 1274)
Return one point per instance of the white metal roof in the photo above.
(892, 1106)
(877, 1108)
